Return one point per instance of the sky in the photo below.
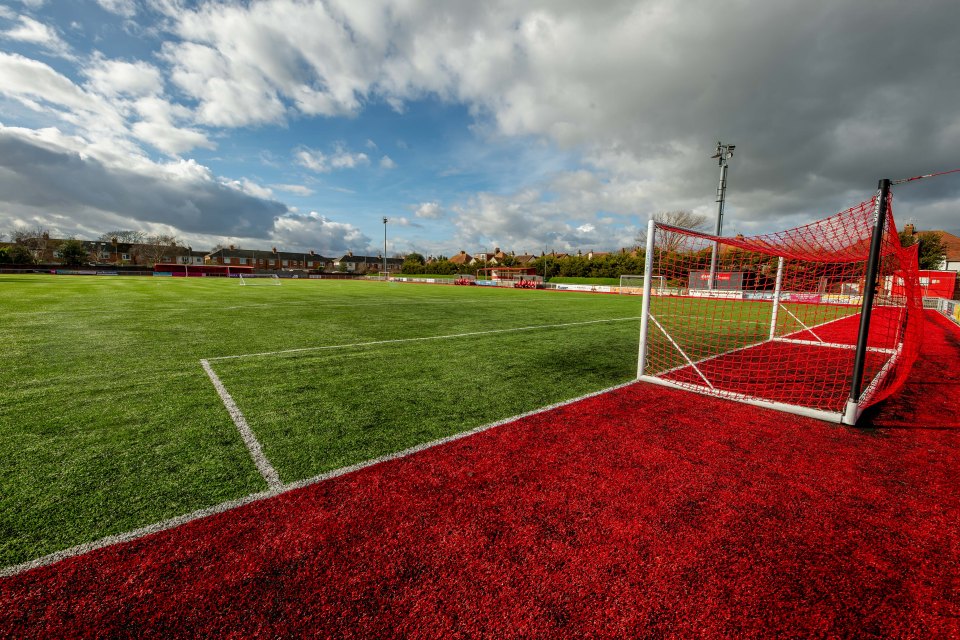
(529, 126)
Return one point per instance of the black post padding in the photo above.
(869, 289)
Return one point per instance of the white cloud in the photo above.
(313, 160)
(30, 80)
(386, 162)
(123, 8)
(341, 158)
(249, 187)
(118, 77)
(429, 210)
(7, 13)
(34, 32)
(296, 189)
(34, 4)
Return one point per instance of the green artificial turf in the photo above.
(108, 421)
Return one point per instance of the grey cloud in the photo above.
(40, 177)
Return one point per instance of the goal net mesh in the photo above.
(777, 318)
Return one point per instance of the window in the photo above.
(286, 263)
(226, 261)
(243, 261)
(124, 256)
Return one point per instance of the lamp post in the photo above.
(723, 154)
(385, 220)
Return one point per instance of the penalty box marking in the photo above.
(222, 507)
(253, 445)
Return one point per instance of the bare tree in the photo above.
(127, 236)
(671, 241)
(36, 239)
(155, 248)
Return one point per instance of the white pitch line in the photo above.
(253, 445)
(278, 490)
(419, 339)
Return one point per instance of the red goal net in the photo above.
(774, 319)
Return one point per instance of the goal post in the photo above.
(633, 285)
(822, 320)
(252, 279)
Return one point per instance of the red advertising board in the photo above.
(933, 284)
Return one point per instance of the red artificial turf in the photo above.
(792, 373)
(642, 512)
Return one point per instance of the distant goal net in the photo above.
(632, 285)
(784, 320)
(253, 279)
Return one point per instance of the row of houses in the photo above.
(47, 250)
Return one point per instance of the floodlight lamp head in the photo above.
(384, 219)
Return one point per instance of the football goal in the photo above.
(251, 279)
(632, 285)
(823, 320)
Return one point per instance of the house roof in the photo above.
(461, 258)
(950, 241)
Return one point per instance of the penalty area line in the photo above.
(253, 445)
(280, 489)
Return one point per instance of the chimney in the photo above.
(232, 247)
(274, 249)
(462, 252)
(350, 253)
(312, 253)
(496, 250)
(909, 229)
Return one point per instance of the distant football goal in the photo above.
(252, 279)
(631, 285)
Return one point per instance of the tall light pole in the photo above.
(723, 154)
(385, 220)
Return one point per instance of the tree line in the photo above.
(33, 245)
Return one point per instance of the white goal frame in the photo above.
(637, 290)
(848, 416)
(249, 279)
